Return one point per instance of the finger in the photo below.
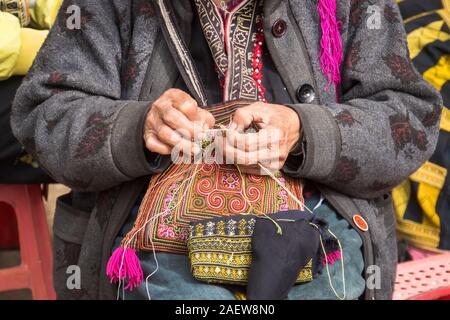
(153, 144)
(172, 138)
(168, 135)
(243, 141)
(178, 121)
(248, 142)
(264, 139)
(244, 117)
(183, 102)
(240, 157)
(186, 148)
(205, 118)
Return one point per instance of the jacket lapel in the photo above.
(176, 42)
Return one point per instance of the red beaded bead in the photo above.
(257, 62)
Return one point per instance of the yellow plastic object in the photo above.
(9, 44)
(44, 13)
(18, 46)
(31, 42)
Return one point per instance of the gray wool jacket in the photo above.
(81, 110)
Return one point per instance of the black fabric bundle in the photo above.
(278, 258)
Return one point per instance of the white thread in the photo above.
(322, 199)
(327, 267)
(151, 274)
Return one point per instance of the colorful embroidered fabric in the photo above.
(221, 251)
(193, 192)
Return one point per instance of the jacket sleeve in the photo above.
(386, 122)
(69, 114)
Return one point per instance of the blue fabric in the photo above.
(173, 279)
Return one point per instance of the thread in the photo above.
(331, 52)
(327, 265)
(127, 243)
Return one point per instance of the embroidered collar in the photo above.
(232, 38)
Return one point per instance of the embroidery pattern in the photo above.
(98, 126)
(231, 40)
(347, 170)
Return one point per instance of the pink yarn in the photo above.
(125, 265)
(331, 55)
(332, 257)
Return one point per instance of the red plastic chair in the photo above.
(35, 271)
(425, 279)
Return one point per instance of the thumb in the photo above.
(184, 103)
(205, 118)
(242, 119)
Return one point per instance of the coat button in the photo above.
(306, 94)
(279, 28)
(360, 223)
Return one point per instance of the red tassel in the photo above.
(332, 257)
(125, 265)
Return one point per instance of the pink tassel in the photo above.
(125, 265)
(331, 55)
(332, 257)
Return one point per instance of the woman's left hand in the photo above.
(278, 132)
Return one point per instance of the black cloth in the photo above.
(277, 259)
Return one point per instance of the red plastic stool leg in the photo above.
(35, 246)
(43, 240)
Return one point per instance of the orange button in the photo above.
(360, 223)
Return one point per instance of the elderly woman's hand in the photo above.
(174, 120)
(278, 132)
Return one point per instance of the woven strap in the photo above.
(18, 8)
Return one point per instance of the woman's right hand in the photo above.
(174, 120)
